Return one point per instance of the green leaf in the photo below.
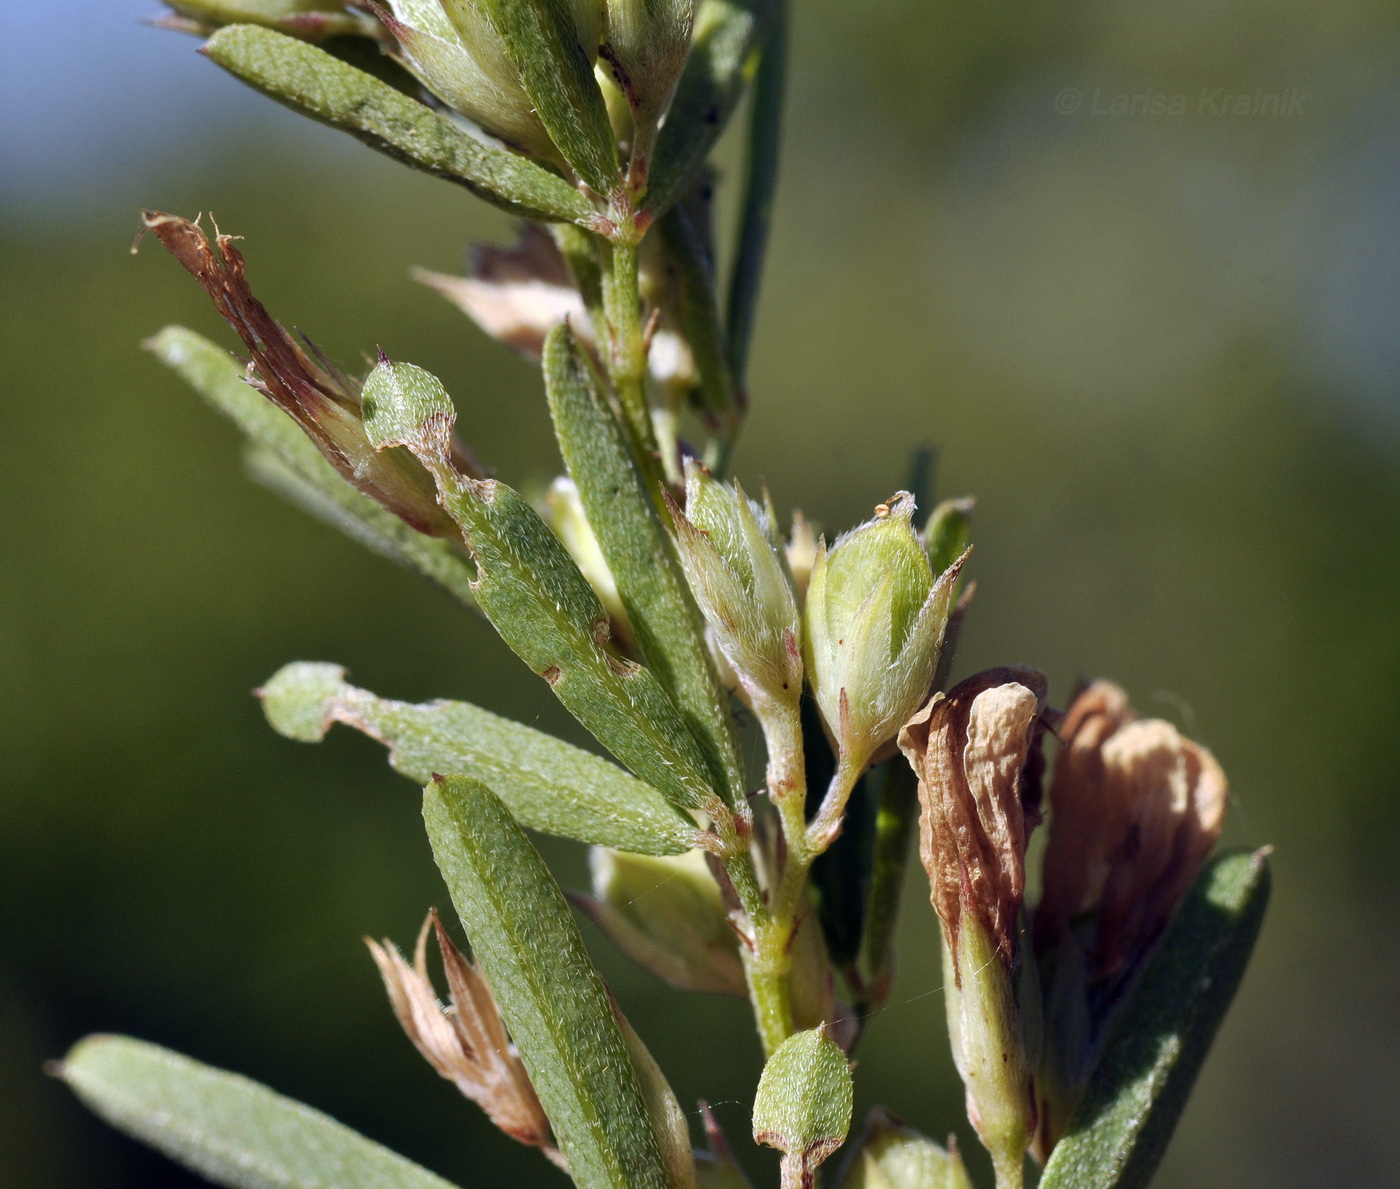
(692, 275)
(547, 784)
(532, 592)
(804, 1099)
(312, 19)
(556, 70)
(723, 59)
(760, 186)
(1157, 1045)
(286, 460)
(552, 1000)
(626, 520)
(315, 83)
(227, 1128)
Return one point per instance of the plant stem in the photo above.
(627, 351)
(770, 963)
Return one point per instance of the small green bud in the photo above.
(893, 1156)
(645, 47)
(666, 914)
(803, 1104)
(873, 627)
(459, 57)
(735, 572)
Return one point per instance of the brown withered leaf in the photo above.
(466, 1042)
(313, 392)
(516, 294)
(974, 752)
(1136, 809)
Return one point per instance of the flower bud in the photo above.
(1136, 809)
(801, 551)
(452, 48)
(645, 47)
(975, 752)
(726, 546)
(666, 914)
(893, 1156)
(873, 626)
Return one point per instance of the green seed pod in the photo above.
(803, 1104)
(734, 570)
(667, 916)
(873, 627)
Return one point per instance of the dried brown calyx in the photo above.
(976, 751)
(323, 400)
(1136, 809)
(466, 1042)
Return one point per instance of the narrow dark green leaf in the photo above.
(285, 459)
(723, 60)
(760, 186)
(690, 273)
(532, 592)
(547, 784)
(315, 83)
(552, 1000)
(1158, 1043)
(556, 70)
(227, 1128)
(896, 820)
(627, 522)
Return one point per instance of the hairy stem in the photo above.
(627, 351)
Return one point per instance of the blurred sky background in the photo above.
(1162, 351)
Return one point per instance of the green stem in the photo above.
(627, 350)
(770, 962)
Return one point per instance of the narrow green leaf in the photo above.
(896, 821)
(227, 1128)
(552, 1000)
(532, 592)
(804, 1100)
(1157, 1045)
(547, 784)
(313, 19)
(315, 83)
(723, 59)
(627, 522)
(285, 459)
(692, 275)
(556, 70)
(760, 186)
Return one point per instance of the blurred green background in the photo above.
(1161, 350)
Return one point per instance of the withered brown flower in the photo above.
(323, 400)
(465, 1042)
(975, 751)
(1136, 809)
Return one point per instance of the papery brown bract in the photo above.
(467, 1042)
